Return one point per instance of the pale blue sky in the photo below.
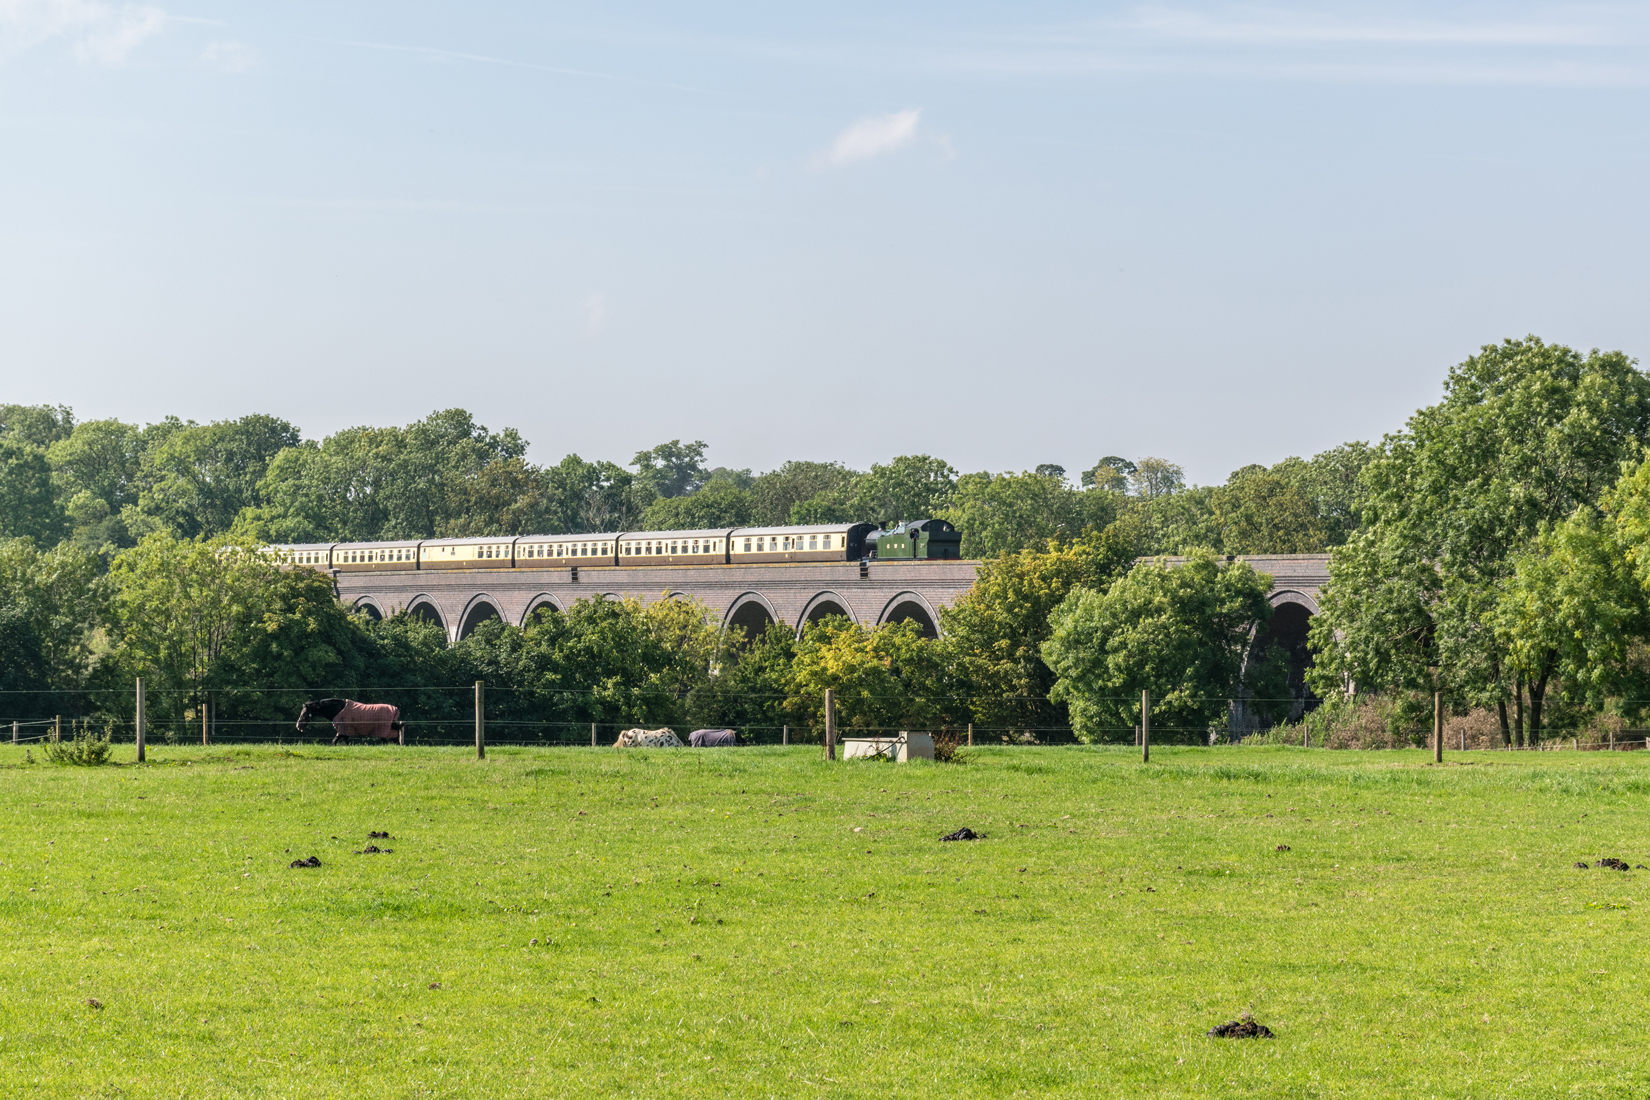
(1002, 234)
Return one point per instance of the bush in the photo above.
(86, 750)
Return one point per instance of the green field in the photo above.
(755, 922)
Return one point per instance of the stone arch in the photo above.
(823, 604)
(543, 599)
(1292, 615)
(482, 608)
(911, 607)
(751, 613)
(423, 608)
(369, 605)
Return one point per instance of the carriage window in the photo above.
(695, 546)
(813, 542)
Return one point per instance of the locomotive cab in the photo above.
(916, 540)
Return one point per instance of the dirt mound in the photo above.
(379, 836)
(1283, 847)
(1582, 866)
(1240, 1029)
(373, 849)
(312, 861)
(964, 833)
(1613, 863)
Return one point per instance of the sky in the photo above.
(1001, 234)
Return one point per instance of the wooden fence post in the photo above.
(785, 736)
(57, 728)
(592, 735)
(14, 734)
(140, 720)
(481, 720)
(206, 730)
(1437, 727)
(971, 735)
(1145, 727)
(830, 724)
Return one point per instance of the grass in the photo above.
(757, 923)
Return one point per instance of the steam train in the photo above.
(915, 540)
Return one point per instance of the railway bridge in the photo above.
(744, 596)
(751, 596)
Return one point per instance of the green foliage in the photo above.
(1007, 513)
(29, 507)
(200, 477)
(776, 494)
(1180, 632)
(995, 631)
(36, 425)
(85, 750)
(719, 504)
(1527, 434)
(884, 678)
(672, 469)
(909, 487)
(50, 603)
(751, 684)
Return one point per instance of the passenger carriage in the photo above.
(375, 557)
(563, 551)
(482, 553)
(637, 548)
(824, 542)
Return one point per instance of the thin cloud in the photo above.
(595, 315)
(102, 34)
(1305, 28)
(230, 57)
(484, 59)
(870, 137)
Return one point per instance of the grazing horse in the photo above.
(352, 719)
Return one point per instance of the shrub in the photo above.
(86, 750)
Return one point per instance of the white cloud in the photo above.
(873, 136)
(595, 314)
(101, 33)
(231, 57)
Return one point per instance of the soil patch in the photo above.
(379, 836)
(1613, 863)
(373, 849)
(964, 833)
(312, 861)
(1240, 1029)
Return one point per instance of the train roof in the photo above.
(810, 529)
(479, 540)
(713, 533)
(599, 536)
(376, 543)
(301, 546)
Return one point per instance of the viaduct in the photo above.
(751, 596)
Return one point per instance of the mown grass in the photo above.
(755, 922)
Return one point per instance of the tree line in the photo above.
(1494, 550)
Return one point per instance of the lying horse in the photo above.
(352, 719)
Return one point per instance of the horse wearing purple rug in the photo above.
(381, 721)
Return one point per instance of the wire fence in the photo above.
(448, 715)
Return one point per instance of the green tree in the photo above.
(995, 631)
(751, 684)
(1007, 513)
(36, 425)
(200, 477)
(1110, 474)
(1259, 512)
(97, 472)
(909, 487)
(776, 493)
(1179, 631)
(879, 675)
(51, 603)
(718, 504)
(672, 469)
(1527, 433)
(28, 502)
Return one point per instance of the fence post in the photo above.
(1437, 727)
(592, 735)
(140, 720)
(971, 735)
(481, 720)
(1145, 727)
(57, 728)
(830, 724)
(785, 735)
(206, 730)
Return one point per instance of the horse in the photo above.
(352, 719)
